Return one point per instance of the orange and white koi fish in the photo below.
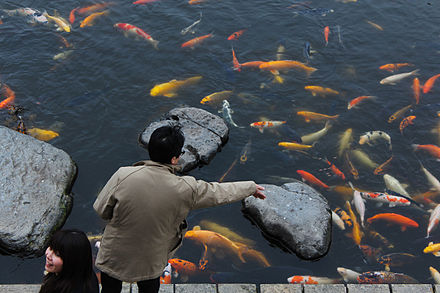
(10, 96)
(416, 90)
(434, 219)
(309, 116)
(94, 7)
(433, 248)
(261, 125)
(144, 1)
(308, 177)
(326, 34)
(236, 64)
(430, 83)
(131, 30)
(353, 103)
(90, 20)
(393, 79)
(72, 15)
(285, 65)
(196, 41)
(399, 113)
(311, 280)
(392, 200)
(405, 122)
(321, 91)
(216, 97)
(375, 25)
(391, 67)
(433, 150)
(335, 170)
(294, 146)
(236, 35)
(402, 221)
(42, 134)
(166, 275)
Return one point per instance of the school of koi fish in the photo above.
(363, 179)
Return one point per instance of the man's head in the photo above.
(166, 143)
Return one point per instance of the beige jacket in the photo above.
(146, 206)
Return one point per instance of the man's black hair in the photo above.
(165, 143)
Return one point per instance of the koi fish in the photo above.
(252, 64)
(430, 83)
(385, 278)
(131, 30)
(245, 152)
(254, 256)
(354, 103)
(60, 22)
(326, 34)
(144, 1)
(348, 275)
(359, 204)
(10, 97)
(394, 66)
(375, 236)
(225, 231)
(166, 275)
(306, 176)
(402, 221)
(227, 111)
(169, 89)
(42, 134)
(394, 185)
(33, 15)
(321, 91)
(399, 113)
(72, 15)
(236, 64)
(338, 221)
(285, 65)
(435, 275)
(405, 122)
(183, 267)
(375, 25)
(216, 97)
(434, 219)
(433, 150)
(309, 116)
(313, 137)
(370, 253)
(345, 141)
(353, 170)
(294, 146)
(236, 35)
(356, 232)
(190, 27)
(379, 170)
(196, 41)
(431, 179)
(344, 216)
(433, 248)
(311, 280)
(192, 2)
(307, 51)
(280, 52)
(261, 125)
(395, 260)
(90, 20)
(393, 79)
(335, 170)
(371, 137)
(63, 55)
(416, 90)
(392, 200)
(94, 7)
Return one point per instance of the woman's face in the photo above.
(54, 263)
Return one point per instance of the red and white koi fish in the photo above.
(130, 29)
(261, 125)
(311, 280)
(392, 200)
(434, 219)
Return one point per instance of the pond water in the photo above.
(98, 100)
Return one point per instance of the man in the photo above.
(146, 206)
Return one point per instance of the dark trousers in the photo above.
(112, 285)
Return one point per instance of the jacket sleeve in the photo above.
(106, 201)
(209, 194)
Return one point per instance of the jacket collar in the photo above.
(172, 168)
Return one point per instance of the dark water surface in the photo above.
(100, 97)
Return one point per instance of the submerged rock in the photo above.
(205, 134)
(35, 200)
(296, 216)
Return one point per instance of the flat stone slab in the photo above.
(205, 134)
(35, 184)
(237, 288)
(325, 288)
(368, 288)
(280, 288)
(296, 216)
(16, 288)
(195, 288)
(412, 288)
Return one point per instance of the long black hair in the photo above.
(73, 247)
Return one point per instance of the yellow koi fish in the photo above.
(345, 141)
(61, 22)
(309, 116)
(42, 134)
(208, 225)
(357, 233)
(286, 65)
(216, 97)
(294, 146)
(169, 89)
(321, 91)
(433, 248)
(89, 20)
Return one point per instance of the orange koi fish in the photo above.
(405, 122)
(306, 176)
(237, 65)
(375, 25)
(326, 34)
(294, 146)
(309, 116)
(335, 170)
(311, 280)
(261, 125)
(391, 67)
(321, 91)
(93, 8)
(144, 1)
(430, 83)
(236, 35)
(255, 64)
(192, 2)
(72, 15)
(89, 20)
(356, 101)
(403, 221)
(433, 150)
(183, 266)
(379, 170)
(196, 41)
(10, 97)
(285, 65)
(6, 102)
(416, 90)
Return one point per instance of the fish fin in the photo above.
(387, 268)
(155, 44)
(430, 243)
(437, 253)
(196, 228)
(261, 130)
(170, 95)
(392, 204)
(314, 94)
(403, 228)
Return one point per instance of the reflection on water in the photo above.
(94, 85)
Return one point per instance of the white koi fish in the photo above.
(348, 275)
(394, 185)
(33, 15)
(338, 221)
(227, 111)
(312, 137)
(434, 219)
(393, 79)
(190, 28)
(371, 137)
(435, 275)
(359, 204)
(431, 179)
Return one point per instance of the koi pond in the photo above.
(92, 86)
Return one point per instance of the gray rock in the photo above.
(35, 183)
(205, 134)
(296, 216)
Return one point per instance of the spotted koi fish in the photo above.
(344, 216)
(392, 200)
(130, 29)
(384, 277)
(395, 260)
(405, 122)
(261, 125)
(311, 280)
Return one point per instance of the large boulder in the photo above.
(296, 216)
(205, 134)
(35, 200)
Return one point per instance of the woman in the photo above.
(69, 264)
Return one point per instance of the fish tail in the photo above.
(241, 250)
(415, 146)
(155, 44)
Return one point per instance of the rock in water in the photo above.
(295, 216)
(35, 200)
(205, 134)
